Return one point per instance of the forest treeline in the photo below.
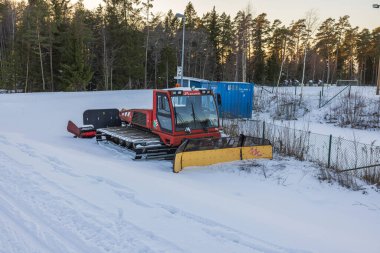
(53, 45)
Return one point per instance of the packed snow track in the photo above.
(62, 194)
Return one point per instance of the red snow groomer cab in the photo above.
(181, 123)
(177, 115)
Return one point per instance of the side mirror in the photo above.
(219, 99)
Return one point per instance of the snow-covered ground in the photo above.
(61, 194)
(314, 121)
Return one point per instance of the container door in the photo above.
(244, 110)
(235, 100)
(246, 98)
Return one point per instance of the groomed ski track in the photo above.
(60, 194)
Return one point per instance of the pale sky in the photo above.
(361, 12)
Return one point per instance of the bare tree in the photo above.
(311, 22)
(283, 60)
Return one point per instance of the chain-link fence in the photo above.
(343, 156)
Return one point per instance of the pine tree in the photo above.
(226, 46)
(211, 23)
(326, 42)
(169, 59)
(277, 52)
(59, 29)
(8, 46)
(76, 68)
(260, 33)
(125, 52)
(364, 51)
(297, 35)
(342, 26)
(348, 53)
(192, 41)
(53, 45)
(192, 19)
(376, 53)
(34, 35)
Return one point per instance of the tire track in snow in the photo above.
(110, 183)
(15, 231)
(32, 223)
(114, 235)
(4, 141)
(227, 234)
(55, 163)
(123, 192)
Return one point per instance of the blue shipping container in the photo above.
(236, 98)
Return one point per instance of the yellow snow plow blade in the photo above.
(203, 152)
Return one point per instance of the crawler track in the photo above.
(144, 144)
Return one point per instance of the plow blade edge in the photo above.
(204, 152)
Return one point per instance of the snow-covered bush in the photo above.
(333, 153)
(263, 99)
(344, 179)
(356, 111)
(283, 105)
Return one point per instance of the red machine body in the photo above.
(182, 124)
(177, 115)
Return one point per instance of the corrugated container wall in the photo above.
(236, 98)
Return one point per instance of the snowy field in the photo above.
(314, 122)
(61, 194)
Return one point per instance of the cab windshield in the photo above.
(195, 112)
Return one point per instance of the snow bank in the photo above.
(61, 194)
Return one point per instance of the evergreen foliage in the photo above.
(53, 45)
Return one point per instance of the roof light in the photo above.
(178, 92)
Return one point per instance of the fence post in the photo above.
(320, 98)
(329, 157)
(349, 92)
(262, 140)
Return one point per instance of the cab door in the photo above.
(162, 113)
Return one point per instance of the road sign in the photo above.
(179, 71)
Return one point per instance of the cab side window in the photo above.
(163, 112)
